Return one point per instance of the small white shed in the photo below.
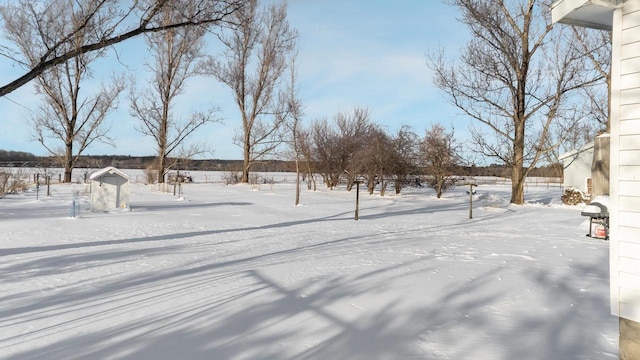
(109, 189)
(577, 168)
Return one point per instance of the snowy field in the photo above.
(231, 272)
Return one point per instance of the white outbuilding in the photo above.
(576, 166)
(109, 189)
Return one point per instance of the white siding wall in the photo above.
(625, 163)
(577, 169)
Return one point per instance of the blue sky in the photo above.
(352, 53)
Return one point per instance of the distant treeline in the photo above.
(25, 159)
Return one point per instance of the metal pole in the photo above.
(357, 197)
(471, 200)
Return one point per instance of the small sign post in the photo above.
(75, 206)
(471, 186)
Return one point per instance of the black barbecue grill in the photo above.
(598, 214)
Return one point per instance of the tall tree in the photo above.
(44, 30)
(516, 77)
(254, 63)
(69, 120)
(175, 52)
(293, 117)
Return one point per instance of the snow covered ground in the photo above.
(230, 272)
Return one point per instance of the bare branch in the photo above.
(104, 19)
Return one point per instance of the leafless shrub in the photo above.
(4, 182)
(254, 180)
(231, 178)
(19, 181)
(269, 180)
(84, 176)
(12, 182)
(151, 174)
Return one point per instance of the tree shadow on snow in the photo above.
(233, 309)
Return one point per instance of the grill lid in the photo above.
(597, 208)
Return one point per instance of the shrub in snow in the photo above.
(231, 178)
(151, 174)
(12, 182)
(492, 200)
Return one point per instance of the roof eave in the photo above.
(596, 14)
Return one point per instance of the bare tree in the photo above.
(374, 160)
(595, 47)
(516, 77)
(175, 53)
(383, 159)
(326, 152)
(254, 62)
(440, 158)
(305, 147)
(405, 155)
(292, 119)
(44, 32)
(354, 130)
(69, 120)
(336, 143)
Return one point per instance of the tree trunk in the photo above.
(517, 186)
(68, 162)
(297, 180)
(517, 164)
(247, 158)
(161, 168)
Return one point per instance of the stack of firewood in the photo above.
(573, 196)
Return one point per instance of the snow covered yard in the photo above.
(234, 273)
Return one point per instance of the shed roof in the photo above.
(576, 151)
(108, 170)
